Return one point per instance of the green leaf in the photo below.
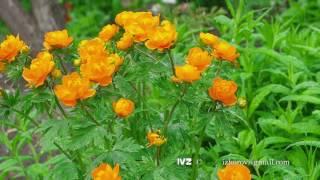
(246, 138)
(257, 100)
(305, 143)
(126, 145)
(302, 98)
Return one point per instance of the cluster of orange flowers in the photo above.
(144, 27)
(198, 60)
(98, 65)
(10, 48)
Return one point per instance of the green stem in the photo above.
(158, 155)
(57, 100)
(196, 155)
(169, 116)
(146, 54)
(171, 62)
(83, 107)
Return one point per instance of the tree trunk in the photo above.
(46, 15)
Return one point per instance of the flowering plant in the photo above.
(126, 103)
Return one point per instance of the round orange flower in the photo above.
(98, 70)
(11, 47)
(125, 42)
(105, 172)
(155, 139)
(223, 91)
(209, 39)
(199, 58)
(39, 69)
(108, 32)
(57, 39)
(73, 87)
(162, 37)
(123, 107)
(186, 73)
(225, 51)
(234, 172)
(93, 48)
(139, 24)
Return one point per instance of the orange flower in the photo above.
(108, 32)
(11, 47)
(162, 37)
(125, 42)
(234, 172)
(224, 91)
(209, 39)
(39, 69)
(105, 172)
(93, 48)
(224, 50)
(123, 107)
(116, 60)
(186, 73)
(199, 58)
(139, 24)
(98, 70)
(155, 139)
(2, 66)
(73, 87)
(57, 39)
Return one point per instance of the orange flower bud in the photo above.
(108, 32)
(98, 70)
(39, 69)
(187, 73)
(73, 88)
(155, 139)
(93, 48)
(223, 91)
(162, 37)
(199, 58)
(225, 51)
(11, 47)
(125, 42)
(209, 39)
(105, 172)
(123, 107)
(57, 39)
(234, 172)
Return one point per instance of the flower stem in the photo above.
(83, 107)
(145, 53)
(57, 100)
(169, 116)
(171, 62)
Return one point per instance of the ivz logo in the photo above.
(185, 161)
